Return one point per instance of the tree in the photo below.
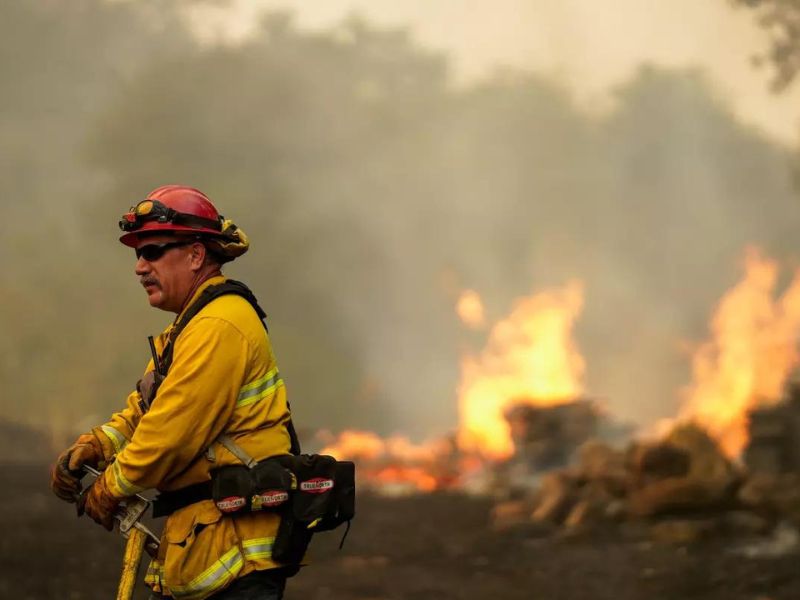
(781, 20)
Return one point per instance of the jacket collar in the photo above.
(207, 283)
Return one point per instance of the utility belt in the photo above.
(310, 492)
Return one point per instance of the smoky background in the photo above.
(373, 189)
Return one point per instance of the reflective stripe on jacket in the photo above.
(223, 378)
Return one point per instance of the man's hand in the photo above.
(86, 450)
(99, 504)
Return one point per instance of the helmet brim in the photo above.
(131, 238)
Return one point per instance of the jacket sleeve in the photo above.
(118, 431)
(116, 434)
(190, 410)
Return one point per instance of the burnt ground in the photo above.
(435, 547)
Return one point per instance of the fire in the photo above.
(397, 475)
(470, 309)
(752, 350)
(530, 357)
(395, 462)
(356, 445)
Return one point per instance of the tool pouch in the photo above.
(237, 489)
(343, 507)
(292, 540)
(271, 485)
(231, 489)
(310, 492)
(324, 499)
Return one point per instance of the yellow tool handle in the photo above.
(130, 563)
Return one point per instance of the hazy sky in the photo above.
(591, 45)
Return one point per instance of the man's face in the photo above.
(169, 279)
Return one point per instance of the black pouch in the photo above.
(316, 483)
(232, 489)
(311, 492)
(343, 507)
(292, 539)
(271, 485)
(313, 499)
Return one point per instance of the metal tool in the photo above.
(140, 538)
(128, 516)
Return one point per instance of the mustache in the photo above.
(145, 281)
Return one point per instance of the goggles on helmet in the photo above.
(153, 210)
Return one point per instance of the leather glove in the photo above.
(65, 474)
(99, 503)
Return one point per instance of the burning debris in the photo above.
(528, 435)
(396, 465)
(682, 487)
(774, 431)
(530, 370)
(543, 436)
(683, 473)
(689, 482)
(547, 437)
(752, 351)
(530, 358)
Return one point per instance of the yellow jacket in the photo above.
(223, 378)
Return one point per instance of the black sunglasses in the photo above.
(152, 252)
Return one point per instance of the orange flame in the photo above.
(752, 352)
(356, 445)
(394, 462)
(530, 356)
(399, 475)
(470, 309)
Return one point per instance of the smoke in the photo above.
(373, 191)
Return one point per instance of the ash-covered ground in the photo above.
(435, 547)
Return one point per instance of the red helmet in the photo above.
(171, 208)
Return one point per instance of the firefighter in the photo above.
(222, 383)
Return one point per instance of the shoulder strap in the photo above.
(209, 294)
(237, 450)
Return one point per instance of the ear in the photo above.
(198, 256)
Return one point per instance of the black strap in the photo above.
(208, 295)
(344, 535)
(194, 221)
(294, 446)
(212, 292)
